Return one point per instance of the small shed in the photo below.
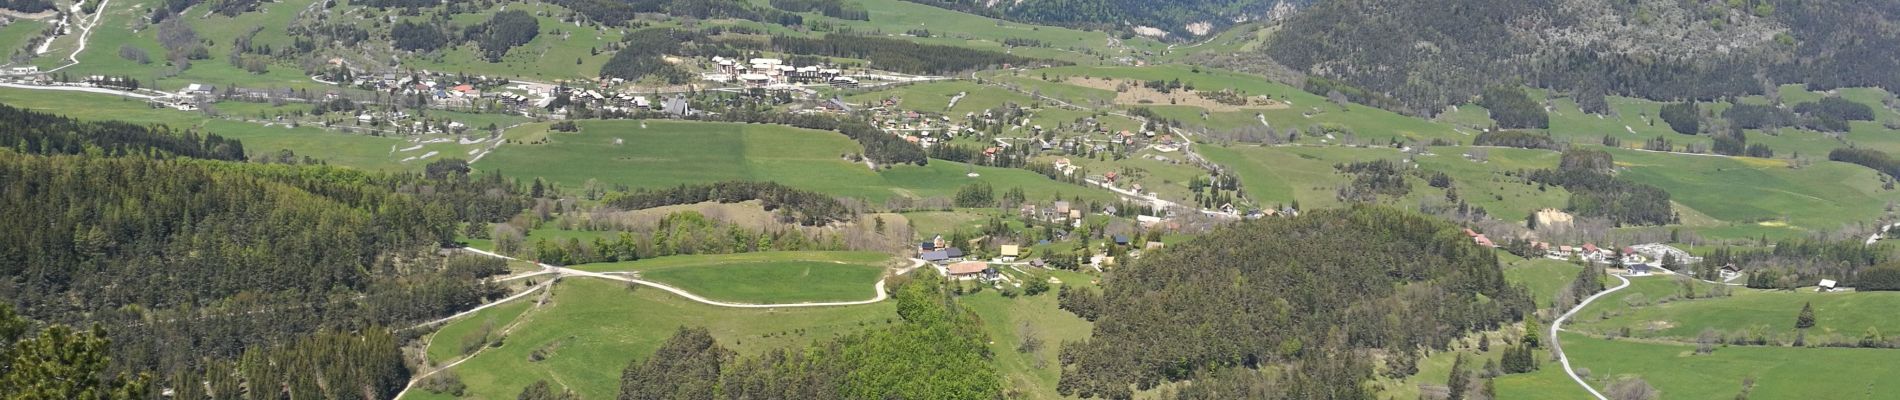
(1827, 285)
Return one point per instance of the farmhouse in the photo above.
(969, 270)
(1009, 252)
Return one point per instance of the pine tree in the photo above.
(1456, 383)
(1806, 319)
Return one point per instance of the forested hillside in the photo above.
(208, 270)
(1431, 54)
(1308, 296)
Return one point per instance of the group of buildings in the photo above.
(767, 72)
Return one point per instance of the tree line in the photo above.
(1279, 305)
(1516, 138)
(32, 132)
(900, 55)
(807, 207)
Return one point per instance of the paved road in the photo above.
(1559, 324)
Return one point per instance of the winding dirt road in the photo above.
(1559, 324)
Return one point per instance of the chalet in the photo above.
(1009, 252)
(198, 89)
(935, 256)
(1827, 285)
(969, 270)
(1730, 272)
(953, 253)
(1639, 269)
(1062, 207)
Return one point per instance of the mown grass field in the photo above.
(767, 277)
(593, 328)
(1825, 195)
(670, 153)
(1748, 310)
(1779, 372)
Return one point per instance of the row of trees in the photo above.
(808, 208)
(938, 351)
(677, 234)
(32, 132)
(1516, 138)
(1315, 289)
(620, 12)
(899, 55)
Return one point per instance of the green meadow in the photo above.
(669, 153)
(592, 328)
(765, 277)
(1771, 312)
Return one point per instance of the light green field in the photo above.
(14, 35)
(1284, 174)
(1780, 372)
(1825, 195)
(1010, 321)
(446, 344)
(669, 153)
(765, 277)
(1369, 123)
(935, 97)
(895, 17)
(593, 328)
(550, 56)
(1748, 310)
(1544, 277)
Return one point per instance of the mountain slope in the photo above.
(1431, 54)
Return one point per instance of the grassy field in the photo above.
(593, 328)
(14, 35)
(935, 97)
(895, 17)
(1779, 372)
(1305, 109)
(1544, 277)
(1770, 312)
(770, 277)
(1825, 195)
(668, 153)
(1010, 322)
(447, 342)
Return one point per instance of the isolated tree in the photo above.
(1806, 319)
(1455, 384)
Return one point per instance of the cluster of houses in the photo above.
(953, 263)
(766, 72)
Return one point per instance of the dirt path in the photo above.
(1559, 324)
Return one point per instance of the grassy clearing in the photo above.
(593, 328)
(447, 342)
(895, 17)
(1010, 322)
(668, 153)
(1544, 277)
(1824, 195)
(1771, 312)
(1779, 372)
(768, 277)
